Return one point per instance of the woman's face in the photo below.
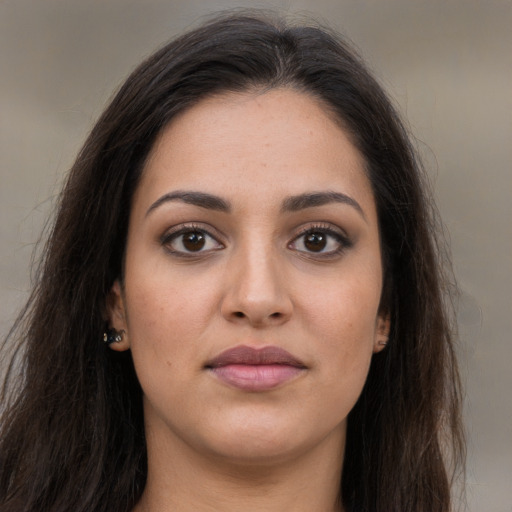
(252, 279)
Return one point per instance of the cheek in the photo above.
(343, 309)
(159, 296)
(164, 328)
(342, 315)
(166, 318)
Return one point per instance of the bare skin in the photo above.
(254, 225)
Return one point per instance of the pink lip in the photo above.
(254, 369)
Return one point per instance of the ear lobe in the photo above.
(382, 332)
(116, 317)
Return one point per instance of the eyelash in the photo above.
(341, 240)
(170, 236)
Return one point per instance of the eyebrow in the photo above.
(290, 204)
(310, 200)
(200, 199)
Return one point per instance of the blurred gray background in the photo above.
(448, 66)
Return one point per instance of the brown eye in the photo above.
(193, 241)
(315, 241)
(324, 242)
(189, 240)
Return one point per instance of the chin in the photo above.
(251, 452)
(262, 441)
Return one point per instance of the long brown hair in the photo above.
(72, 435)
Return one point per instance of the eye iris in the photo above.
(315, 241)
(193, 241)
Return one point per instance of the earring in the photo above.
(112, 336)
(383, 342)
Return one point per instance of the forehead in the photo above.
(281, 142)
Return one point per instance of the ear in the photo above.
(116, 314)
(382, 330)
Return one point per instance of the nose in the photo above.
(256, 293)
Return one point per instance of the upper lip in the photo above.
(244, 354)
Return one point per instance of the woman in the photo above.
(241, 305)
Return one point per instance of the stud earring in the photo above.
(112, 336)
(383, 342)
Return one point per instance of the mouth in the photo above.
(255, 369)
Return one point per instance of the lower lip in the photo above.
(256, 377)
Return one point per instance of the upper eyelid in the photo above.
(322, 226)
(341, 239)
(341, 236)
(172, 234)
(192, 226)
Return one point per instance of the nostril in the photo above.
(239, 314)
(275, 315)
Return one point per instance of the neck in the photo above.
(181, 480)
